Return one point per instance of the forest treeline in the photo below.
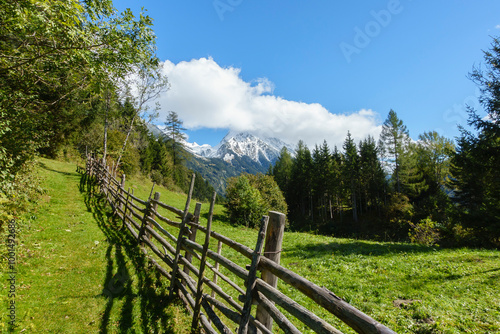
(394, 188)
(428, 190)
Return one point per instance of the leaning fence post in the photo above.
(272, 250)
(252, 277)
(175, 265)
(201, 272)
(216, 266)
(120, 191)
(192, 237)
(152, 212)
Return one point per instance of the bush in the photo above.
(156, 177)
(244, 202)
(424, 233)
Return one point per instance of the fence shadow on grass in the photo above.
(127, 283)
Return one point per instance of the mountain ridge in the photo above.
(236, 153)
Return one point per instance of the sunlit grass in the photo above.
(79, 271)
(407, 287)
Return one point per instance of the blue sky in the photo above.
(312, 70)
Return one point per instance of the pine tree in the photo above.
(351, 172)
(394, 139)
(475, 166)
(372, 176)
(282, 170)
(176, 137)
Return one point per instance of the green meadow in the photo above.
(80, 271)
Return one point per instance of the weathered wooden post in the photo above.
(247, 306)
(152, 214)
(216, 266)
(192, 237)
(120, 191)
(185, 218)
(272, 251)
(201, 272)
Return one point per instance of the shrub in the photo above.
(244, 202)
(424, 233)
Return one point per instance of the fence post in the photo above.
(119, 193)
(272, 250)
(152, 214)
(175, 265)
(192, 237)
(252, 277)
(216, 266)
(201, 272)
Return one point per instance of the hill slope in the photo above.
(73, 258)
(77, 272)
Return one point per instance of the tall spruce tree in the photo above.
(394, 139)
(475, 166)
(175, 135)
(351, 172)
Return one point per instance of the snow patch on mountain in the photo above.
(241, 144)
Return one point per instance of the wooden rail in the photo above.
(234, 289)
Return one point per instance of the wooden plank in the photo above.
(254, 326)
(124, 214)
(215, 319)
(231, 266)
(146, 214)
(178, 212)
(217, 273)
(252, 275)
(168, 221)
(300, 312)
(203, 260)
(353, 317)
(277, 316)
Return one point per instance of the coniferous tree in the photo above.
(351, 172)
(176, 136)
(475, 166)
(394, 139)
(372, 175)
(282, 170)
(300, 185)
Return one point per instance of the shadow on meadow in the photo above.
(44, 166)
(130, 279)
(355, 247)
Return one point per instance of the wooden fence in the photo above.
(151, 229)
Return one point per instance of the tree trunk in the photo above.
(106, 129)
(124, 144)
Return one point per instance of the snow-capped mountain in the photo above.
(261, 150)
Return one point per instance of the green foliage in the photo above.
(18, 192)
(56, 59)
(393, 141)
(176, 136)
(424, 233)
(272, 196)
(244, 202)
(476, 176)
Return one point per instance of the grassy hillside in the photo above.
(79, 273)
(76, 271)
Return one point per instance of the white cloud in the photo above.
(206, 95)
(497, 26)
